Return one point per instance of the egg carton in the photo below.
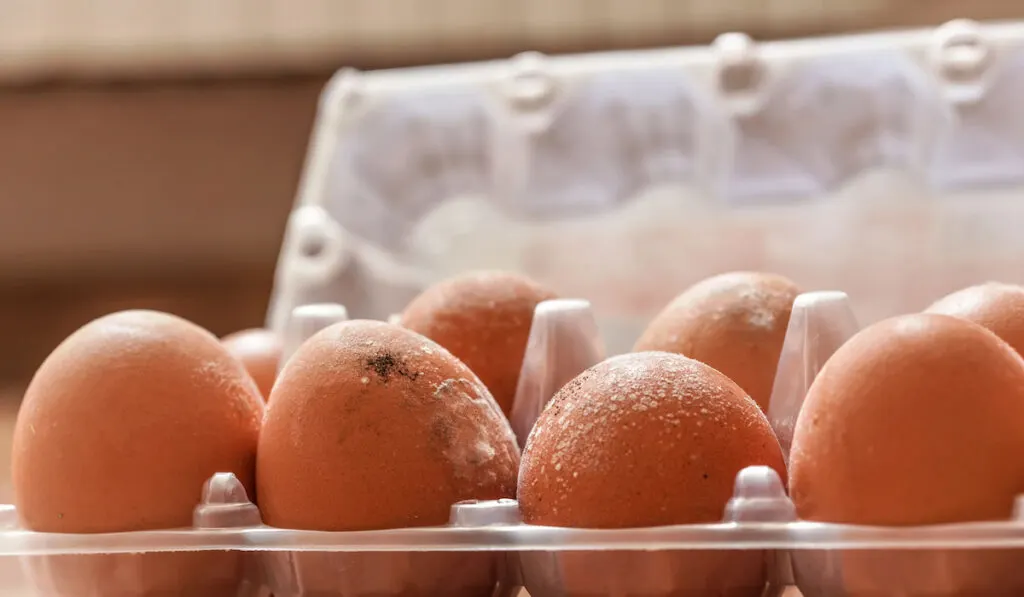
(758, 549)
(886, 164)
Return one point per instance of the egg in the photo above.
(734, 322)
(125, 420)
(996, 306)
(373, 426)
(916, 420)
(639, 440)
(484, 319)
(119, 429)
(260, 351)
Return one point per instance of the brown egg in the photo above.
(642, 439)
(484, 319)
(916, 420)
(998, 307)
(125, 421)
(372, 426)
(735, 322)
(119, 429)
(260, 351)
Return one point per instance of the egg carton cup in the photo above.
(887, 164)
(759, 549)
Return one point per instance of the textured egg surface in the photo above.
(484, 319)
(373, 426)
(734, 322)
(642, 439)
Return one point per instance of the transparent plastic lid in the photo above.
(886, 165)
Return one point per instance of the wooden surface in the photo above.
(150, 178)
(9, 399)
(36, 316)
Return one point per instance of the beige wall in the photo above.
(140, 37)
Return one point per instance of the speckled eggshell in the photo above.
(916, 420)
(996, 306)
(372, 426)
(642, 439)
(124, 422)
(734, 322)
(259, 350)
(484, 319)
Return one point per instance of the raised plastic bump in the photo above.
(475, 513)
(740, 73)
(820, 323)
(225, 504)
(960, 53)
(564, 341)
(317, 241)
(8, 517)
(342, 91)
(307, 320)
(530, 86)
(759, 496)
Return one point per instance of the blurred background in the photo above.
(150, 150)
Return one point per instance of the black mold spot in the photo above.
(385, 364)
(705, 475)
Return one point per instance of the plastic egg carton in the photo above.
(857, 163)
(888, 165)
(758, 549)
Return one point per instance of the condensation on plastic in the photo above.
(878, 164)
(758, 549)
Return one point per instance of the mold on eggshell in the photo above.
(484, 319)
(735, 322)
(996, 306)
(373, 426)
(260, 351)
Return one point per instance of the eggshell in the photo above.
(642, 439)
(734, 322)
(372, 426)
(119, 429)
(917, 419)
(998, 307)
(259, 351)
(124, 422)
(484, 319)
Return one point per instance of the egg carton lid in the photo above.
(553, 165)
